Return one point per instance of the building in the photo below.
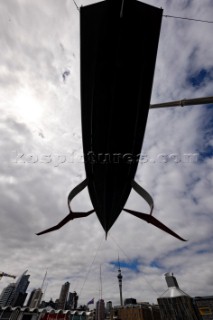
(108, 309)
(142, 311)
(20, 294)
(204, 306)
(26, 313)
(72, 301)
(69, 304)
(51, 304)
(63, 296)
(108, 306)
(35, 298)
(130, 301)
(15, 293)
(7, 295)
(75, 300)
(100, 310)
(174, 303)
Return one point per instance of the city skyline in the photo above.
(174, 301)
(35, 297)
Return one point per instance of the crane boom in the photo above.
(3, 274)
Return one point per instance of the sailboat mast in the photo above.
(42, 285)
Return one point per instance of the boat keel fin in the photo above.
(72, 215)
(148, 217)
(144, 194)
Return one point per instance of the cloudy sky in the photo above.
(41, 159)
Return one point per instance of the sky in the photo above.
(41, 159)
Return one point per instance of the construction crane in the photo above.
(3, 274)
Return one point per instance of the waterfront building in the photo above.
(204, 306)
(26, 313)
(174, 303)
(142, 311)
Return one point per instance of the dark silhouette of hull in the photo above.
(119, 41)
(118, 53)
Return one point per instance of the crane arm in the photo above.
(3, 274)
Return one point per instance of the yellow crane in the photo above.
(3, 274)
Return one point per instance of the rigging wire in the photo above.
(191, 19)
(77, 7)
(100, 284)
(164, 15)
(88, 272)
(149, 284)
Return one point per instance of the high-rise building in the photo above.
(30, 297)
(7, 295)
(108, 306)
(15, 293)
(35, 298)
(21, 286)
(63, 296)
(174, 303)
(100, 310)
(72, 301)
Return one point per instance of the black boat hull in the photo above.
(119, 43)
(119, 40)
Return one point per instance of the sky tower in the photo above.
(119, 276)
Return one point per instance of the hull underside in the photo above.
(118, 51)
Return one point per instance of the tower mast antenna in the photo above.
(119, 276)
